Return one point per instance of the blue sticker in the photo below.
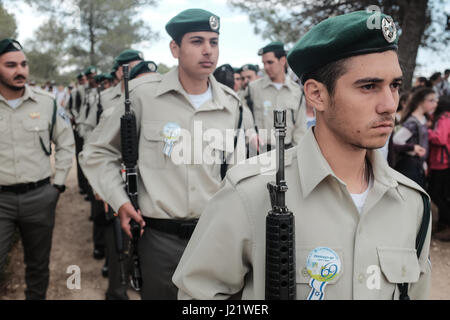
(62, 113)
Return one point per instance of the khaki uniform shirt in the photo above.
(80, 91)
(166, 188)
(226, 252)
(87, 119)
(266, 98)
(22, 159)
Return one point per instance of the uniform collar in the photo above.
(313, 167)
(171, 82)
(117, 91)
(266, 82)
(28, 94)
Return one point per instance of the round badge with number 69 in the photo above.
(323, 264)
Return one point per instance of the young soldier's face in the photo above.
(273, 66)
(13, 70)
(247, 77)
(362, 110)
(198, 53)
(237, 81)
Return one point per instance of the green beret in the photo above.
(341, 37)
(99, 78)
(108, 76)
(225, 68)
(192, 20)
(128, 56)
(90, 70)
(253, 67)
(80, 75)
(237, 70)
(275, 46)
(8, 45)
(143, 67)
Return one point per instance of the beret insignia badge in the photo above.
(214, 23)
(151, 66)
(16, 45)
(389, 30)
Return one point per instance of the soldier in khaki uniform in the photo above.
(86, 119)
(345, 198)
(29, 123)
(75, 102)
(176, 178)
(249, 73)
(276, 91)
(112, 99)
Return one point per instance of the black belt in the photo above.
(24, 187)
(182, 228)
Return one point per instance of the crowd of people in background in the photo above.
(419, 146)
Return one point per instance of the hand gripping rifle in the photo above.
(129, 139)
(280, 235)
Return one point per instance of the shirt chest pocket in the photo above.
(303, 278)
(34, 131)
(398, 265)
(151, 147)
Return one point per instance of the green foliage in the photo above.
(85, 32)
(288, 20)
(8, 24)
(162, 68)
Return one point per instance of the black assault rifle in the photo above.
(280, 227)
(99, 104)
(129, 139)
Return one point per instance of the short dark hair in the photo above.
(279, 53)
(328, 74)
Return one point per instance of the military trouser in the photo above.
(82, 181)
(116, 290)
(159, 254)
(33, 213)
(98, 217)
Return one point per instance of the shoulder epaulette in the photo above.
(151, 77)
(262, 164)
(405, 181)
(41, 92)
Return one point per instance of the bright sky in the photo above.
(238, 43)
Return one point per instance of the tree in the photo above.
(8, 24)
(420, 22)
(163, 68)
(91, 32)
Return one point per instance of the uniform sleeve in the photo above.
(100, 161)
(217, 256)
(248, 123)
(64, 149)
(421, 289)
(91, 122)
(300, 123)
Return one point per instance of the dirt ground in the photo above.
(72, 246)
